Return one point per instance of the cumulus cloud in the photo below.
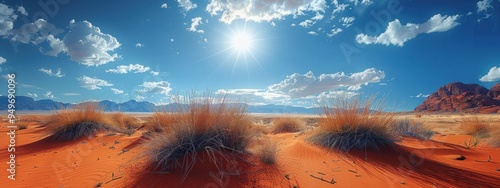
(307, 23)
(195, 22)
(2, 60)
(187, 5)
(49, 94)
(35, 32)
(483, 8)
(297, 85)
(154, 73)
(347, 21)
(22, 10)
(361, 2)
(338, 8)
(492, 76)
(164, 5)
(93, 83)
(123, 69)
(49, 72)
(262, 10)
(116, 91)
(138, 45)
(397, 34)
(86, 44)
(161, 87)
(334, 32)
(7, 18)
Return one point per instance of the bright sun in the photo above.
(241, 42)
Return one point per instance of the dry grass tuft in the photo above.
(124, 122)
(411, 128)
(494, 140)
(475, 126)
(287, 125)
(85, 119)
(267, 153)
(350, 124)
(206, 125)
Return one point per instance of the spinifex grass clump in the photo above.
(475, 126)
(85, 119)
(348, 124)
(126, 123)
(205, 124)
(287, 125)
(409, 128)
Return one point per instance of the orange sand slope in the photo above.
(113, 161)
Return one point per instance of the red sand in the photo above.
(103, 160)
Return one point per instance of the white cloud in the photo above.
(483, 6)
(49, 94)
(297, 85)
(361, 2)
(312, 33)
(93, 83)
(171, 40)
(86, 44)
(123, 69)
(164, 5)
(161, 87)
(338, 8)
(49, 72)
(492, 76)
(138, 45)
(154, 73)
(35, 32)
(34, 95)
(334, 32)
(187, 5)
(116, 91)
(483, 9)
(421, 96)
(262, 10)
(397, 34)
(195, 22)
(2, 60)
(7, 18)
(307, 23)
(318, 16)
(347, 21)
(22, 11)
(57, 46)
(205, 40)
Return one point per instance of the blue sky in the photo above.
(265, 52)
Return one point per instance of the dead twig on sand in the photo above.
(321, 178)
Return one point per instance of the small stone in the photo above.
(461, 158)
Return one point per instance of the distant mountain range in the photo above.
(28, 103)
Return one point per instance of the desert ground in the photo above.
(114, 159)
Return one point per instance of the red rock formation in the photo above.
(460, 97)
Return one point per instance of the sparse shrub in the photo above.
(406, 127)
(260, 128)
(472, 142)
(204, 125)
(475, 126)
(85, 119)
(126, 123)
(267, 153)
(21, 125)
(287, 125)
(494, 140)
(351, 125)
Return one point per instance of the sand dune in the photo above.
(113, 161)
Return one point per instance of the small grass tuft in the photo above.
(475, 126)
(126, 123)
(350, 124)
(407, 127)
(267, 153)
(287, 125)
(85, 119)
